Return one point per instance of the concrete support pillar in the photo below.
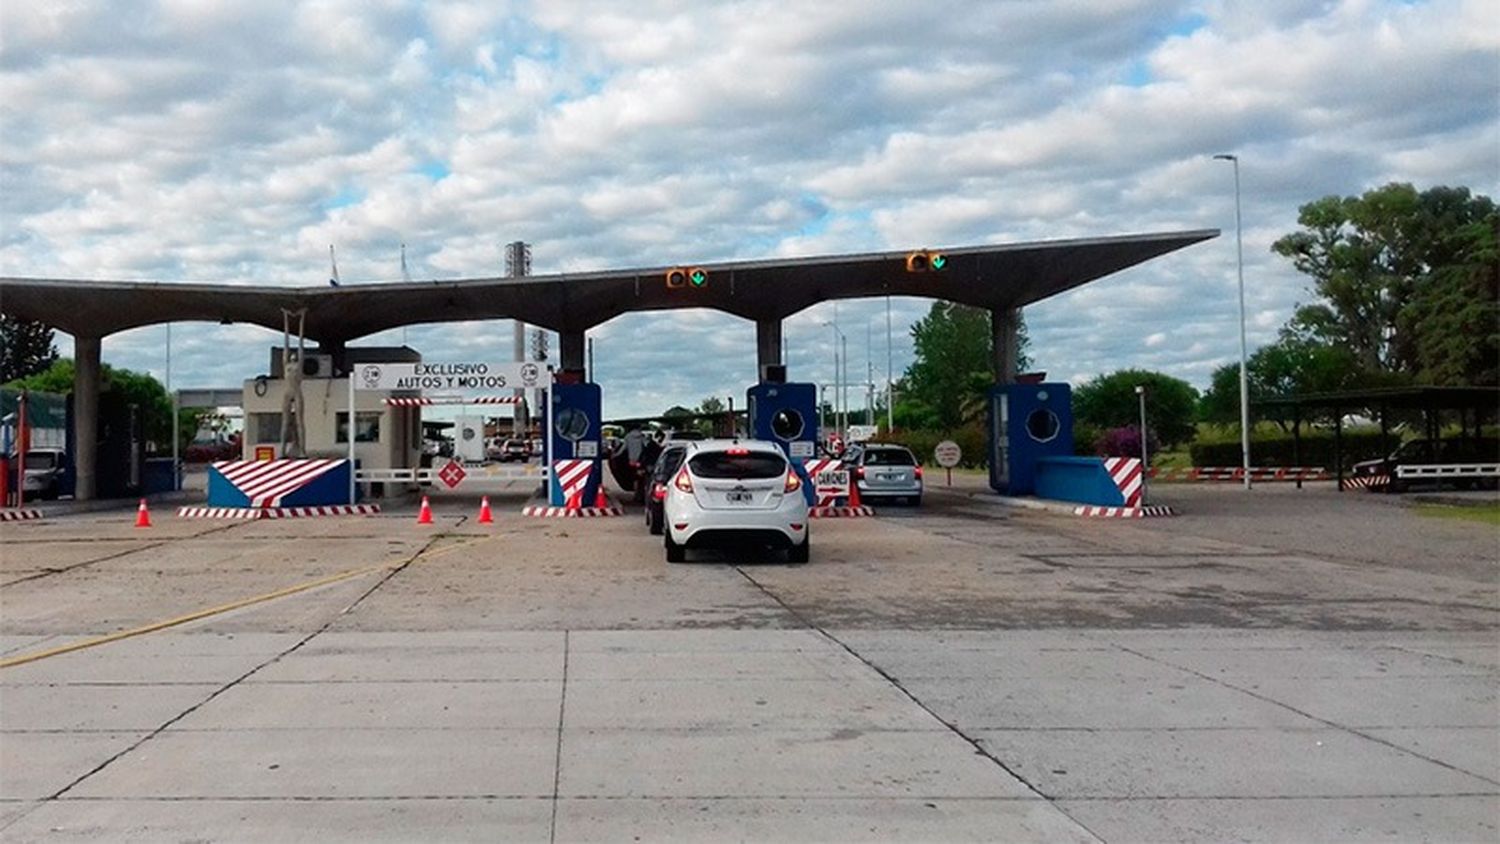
(1005, 324)
(86, 416)
(570, 348)
(767, 345)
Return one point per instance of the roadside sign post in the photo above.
(947, 453)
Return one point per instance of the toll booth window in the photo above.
(366, 427)
(571, 424)
(787, 424)
(1042, 425)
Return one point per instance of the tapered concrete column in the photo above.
(1005, 325)
(767, 345)
(86, 416)
(570, 347)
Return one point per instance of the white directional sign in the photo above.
(947, 453)
(449, 376)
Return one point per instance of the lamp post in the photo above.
(890, 412)
(1239, 249)
(839, 341)
(1140, 390)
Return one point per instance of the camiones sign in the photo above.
(448, 376)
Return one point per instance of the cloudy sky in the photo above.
(234, 142)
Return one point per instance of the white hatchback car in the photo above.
(734, 493)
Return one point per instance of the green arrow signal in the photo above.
(699, 277)
(938, 262)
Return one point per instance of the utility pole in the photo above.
(518, 265)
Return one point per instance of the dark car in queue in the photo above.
(667, 464)
(1426, 452)
(882, 471)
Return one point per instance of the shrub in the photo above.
(1125, 442)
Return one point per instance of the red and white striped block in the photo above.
(571, 512)
(15, 515)
(1365, 482)
(572, 476)
(323, 510)
(1126, 473)
(1124, 512)
(218, 512)
(425, 401)
(266, 482)
(825, 512)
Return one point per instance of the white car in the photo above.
(734, 493)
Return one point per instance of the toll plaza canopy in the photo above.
(996, 277)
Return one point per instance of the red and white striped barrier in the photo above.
(572, 476)
(571, 512)
(1126, 473)
(1124, 512)
(825, 494)
(425, 401)
(830, 512)
(1237, 473)
(218, 512)
(266, 482)
(15, 515)
(277, 512)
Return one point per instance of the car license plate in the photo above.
(738, 496)
(890, 477)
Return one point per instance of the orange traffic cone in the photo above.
(600, 500)
(424, 516)
(142, 515)
(484, 511)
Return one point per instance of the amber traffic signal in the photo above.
(925, 260)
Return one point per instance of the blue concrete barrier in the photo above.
(1081, 479)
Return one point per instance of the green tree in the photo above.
(945, 384)
(1455, 316)
(137, 388)
(711, 405)
(1110, 401)
(1372, 257)
(1291, 366)
(25, 348)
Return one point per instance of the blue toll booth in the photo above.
(1027, 423)
(574, 436)
(787, 414)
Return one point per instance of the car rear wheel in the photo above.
(800, 553)
(675, 553)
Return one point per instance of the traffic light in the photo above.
(680, 277)
(924, 260)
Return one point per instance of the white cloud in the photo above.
(234, 142)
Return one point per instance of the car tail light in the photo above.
(919, 473)
(682, 481)
(793, 483)
(738, 452)
(859, 472)
(658, 492)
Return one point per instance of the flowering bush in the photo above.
(1125, 442)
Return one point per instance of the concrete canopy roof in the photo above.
(998, 276)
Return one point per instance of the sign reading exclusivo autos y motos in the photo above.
(449, 376)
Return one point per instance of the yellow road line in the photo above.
(223, 608)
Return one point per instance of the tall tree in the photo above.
(137, 388)
(1373, 256)
(952, 368)
(1110, 401)
(25, 348)
(1291, 366)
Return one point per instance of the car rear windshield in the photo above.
(41, 460)
(889, 457)
(755, 464)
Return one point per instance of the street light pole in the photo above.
(1239, 249)
(890, 412)
(1140, 390)
(839, 397)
